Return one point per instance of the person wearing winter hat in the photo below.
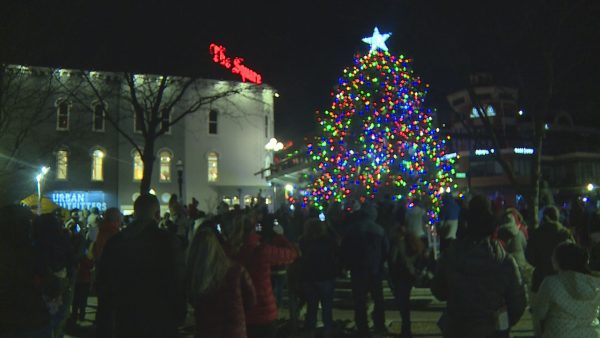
(481, 284)
(542, 243)
(364, 251)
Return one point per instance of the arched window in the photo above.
(138, 166)
(213, 116)
(62, 164)
(213, 166)
(98, 115)
(98, 156)
(166, 157)
(63, 112)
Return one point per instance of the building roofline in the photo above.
(42, 70)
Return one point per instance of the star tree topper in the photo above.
(377, 41)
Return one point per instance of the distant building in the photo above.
(571, 154)
(571, 157)
(217, 149)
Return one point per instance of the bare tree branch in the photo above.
(111, 120)
(152, 99)
(137, 108)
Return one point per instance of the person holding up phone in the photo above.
(258, 258)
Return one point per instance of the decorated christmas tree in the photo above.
(377, 138)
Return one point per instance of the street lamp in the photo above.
(274, 145)
(590, 187)
(179, 165)
(39, 178)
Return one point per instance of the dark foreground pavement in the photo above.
(426, 310)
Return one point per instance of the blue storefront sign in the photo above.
(73, 199)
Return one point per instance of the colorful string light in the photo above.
(377, 138)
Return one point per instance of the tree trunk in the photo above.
(540, 126)
(148, 159)
(536, 179)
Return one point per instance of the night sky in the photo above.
(301, 48)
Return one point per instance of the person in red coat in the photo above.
(219, 289)
(258, 258)
(108, 227)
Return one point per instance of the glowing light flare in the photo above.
(236, 65)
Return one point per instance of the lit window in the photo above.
(138, 122)
(98, 116)
(62, 162)
(138, 166)
(98, 165)
(249, 200)
(213, 167)
(212, 122)
(63, 110)
(165, 165)
(489, 111)
(165, 121)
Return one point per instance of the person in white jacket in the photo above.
(567, 303)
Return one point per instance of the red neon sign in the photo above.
(236, 65)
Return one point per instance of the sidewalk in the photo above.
(426, 310)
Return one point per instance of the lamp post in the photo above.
(39, 178)
(180, 179)
(272, 147)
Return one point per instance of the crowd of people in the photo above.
(232, 268)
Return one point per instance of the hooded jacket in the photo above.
(365, 247)
(140, 283)
(540, 248)
(477, 278)
(566, 306)
(514, 241)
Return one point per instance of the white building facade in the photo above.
(225, 146)
(217, 149)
